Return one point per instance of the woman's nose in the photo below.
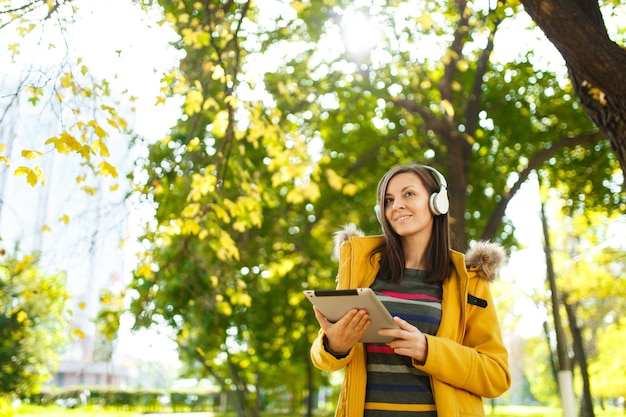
(398, 204)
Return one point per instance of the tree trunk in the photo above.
(553, 366)
(586, 404)
(564, 376)
(241, 405)
(595, 63)
(309, 375)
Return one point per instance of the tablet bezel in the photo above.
(334, 304)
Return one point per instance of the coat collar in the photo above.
(485, 258)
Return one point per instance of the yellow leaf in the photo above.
(462, 65)
(114, 187)
(335, 181)
(21, 266)
(447, 107)
(220, 123)
(81, 178)
(32, 175)
(190, 210)
(28, 154)
(194, 144)
(190, 227)
(243, 299)
(45, 228)
(36, 94)
(201, 185)
(21, 316)
(64, 218)
(598, 95)
(349, 189)
(65, 143)
(193, 103)
(107, 169)
(15, 48)
(79, 333)
(298, 195)
(66, 80)
(224, 308)
(425, 20)
(89, 190)
(100, 148)
(82, 305)
(98, 131)
(6, 160)
(228, 248)
(144, 271)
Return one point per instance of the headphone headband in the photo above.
(441, 180)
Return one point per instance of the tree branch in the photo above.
(578, 32)
(535, 162)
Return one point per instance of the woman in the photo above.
(447, 352)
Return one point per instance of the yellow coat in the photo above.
(466, 359)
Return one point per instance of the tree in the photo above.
(225, 261)
(273, 155)
(34, 324)
(595, 62)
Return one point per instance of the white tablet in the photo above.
(334, 304)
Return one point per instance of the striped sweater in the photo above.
(393, 383)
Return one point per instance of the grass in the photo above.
(527, 411)
(498, 411)
(55, 411)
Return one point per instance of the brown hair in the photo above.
(438, 250)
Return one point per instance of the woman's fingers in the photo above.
(408, 340)
(343, 334)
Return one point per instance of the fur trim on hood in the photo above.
(344, 235)
(488, 257)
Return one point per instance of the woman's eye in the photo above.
(387, 200)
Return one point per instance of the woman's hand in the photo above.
(343, 334)
(408, 340)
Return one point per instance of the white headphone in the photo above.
(438, 201)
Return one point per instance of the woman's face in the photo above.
(406, 206)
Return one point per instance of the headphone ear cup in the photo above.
(378, 215)
(439, 203)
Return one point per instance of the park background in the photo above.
(172, 174)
